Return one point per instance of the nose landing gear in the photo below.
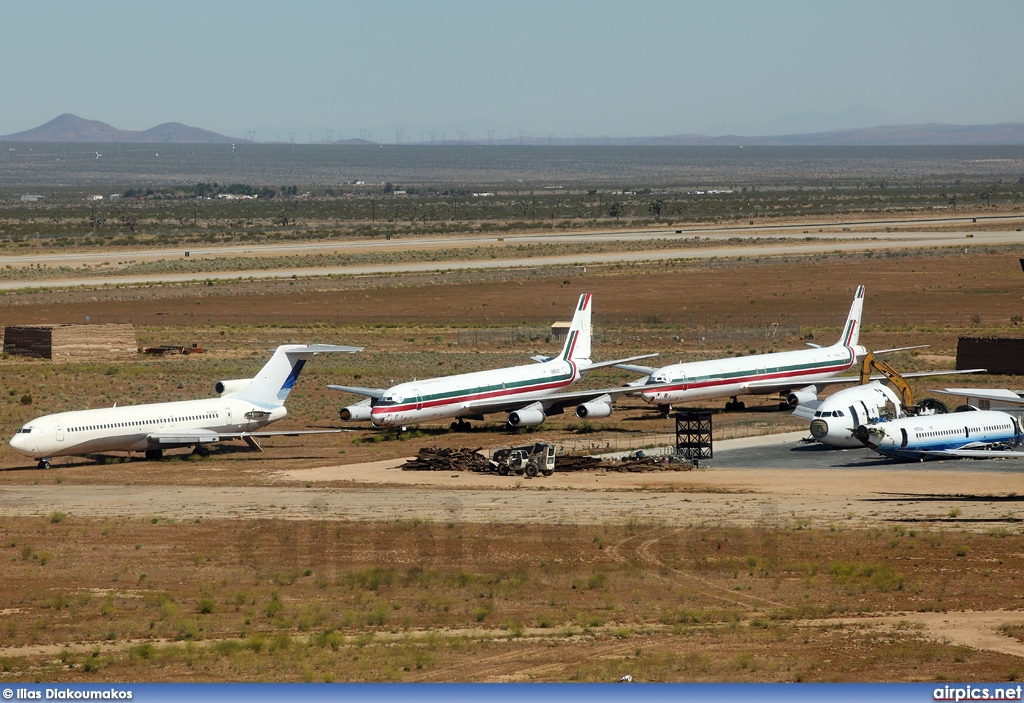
(43, 464)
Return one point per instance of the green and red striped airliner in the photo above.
(790, 373)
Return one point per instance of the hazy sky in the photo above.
(595, 68)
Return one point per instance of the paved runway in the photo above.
(798, 455)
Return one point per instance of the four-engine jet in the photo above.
(527, 393)
(798, 374)
(244, 407)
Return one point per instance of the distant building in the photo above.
(95, 197)
(32, 198)
(115, 196)
(560, 330)
(71, 342)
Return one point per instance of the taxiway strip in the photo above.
(932, 240)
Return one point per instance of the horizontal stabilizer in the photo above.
(636, 368)
(899, 349)
(615, 362)
(360, 390)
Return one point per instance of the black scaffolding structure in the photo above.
(693, 435)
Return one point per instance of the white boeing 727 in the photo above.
(799, 374)
(527, 393)
(245, 406)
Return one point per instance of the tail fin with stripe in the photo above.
(271, 386)
(851, 332)
(577, 342)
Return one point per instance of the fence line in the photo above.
(782, 323)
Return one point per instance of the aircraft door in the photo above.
(60, 431)
(419, 399)
(905, 438)
(227, 416)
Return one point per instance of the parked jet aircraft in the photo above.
(787, 373)
(527, 393)
(834, 419)
(245, 405)
(965, 433)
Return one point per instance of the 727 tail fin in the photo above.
(577, 342)
(851, 332)
(271, 386)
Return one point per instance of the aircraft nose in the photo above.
(819, 428)
(20, 444)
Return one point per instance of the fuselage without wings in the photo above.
(471, 393)
(140, 427)
(758, 374)
(913, 438)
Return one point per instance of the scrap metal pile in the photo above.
(464, 459)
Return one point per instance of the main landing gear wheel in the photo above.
(154, 454)
(43, 464)
(783, 405)
(460, 426)
(734, 404)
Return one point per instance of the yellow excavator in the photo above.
(872, 363)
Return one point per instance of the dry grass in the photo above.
(413, 600)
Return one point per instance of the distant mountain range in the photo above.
(70, 128)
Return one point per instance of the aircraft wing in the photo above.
(819, 386)
(185, 437)
(1001, 395)
(557, 402)
(360, 390)
(805, 411)
(621, 363)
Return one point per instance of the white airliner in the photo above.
(797, 374)
(244, 406)
(527, 393)
(964, 433)
(834, 419)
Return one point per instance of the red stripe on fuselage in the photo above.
(744, 379)
(509, 392)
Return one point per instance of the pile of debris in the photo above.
(577, 463)
(444, 459)
(639, 464)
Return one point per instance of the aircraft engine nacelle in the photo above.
(526, 416)
(804, 395)
(355, 413)
(598, 407)
(232, 386)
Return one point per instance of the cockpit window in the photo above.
(388, 400)
(25, 430)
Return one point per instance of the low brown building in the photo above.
(71, 342)
(995, 354)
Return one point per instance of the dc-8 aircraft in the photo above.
(799, 375)
(245, 405)
(965, 433)
(527, 393)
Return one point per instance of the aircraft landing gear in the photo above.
(734, 404)
(154, 454)
(460, 425)
(664, 410)
(783, 405)
(200, 450)
(43, 464)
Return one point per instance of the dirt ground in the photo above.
(318, 560)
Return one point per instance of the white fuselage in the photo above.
(466, 394)
(129, 428)
(910, 437)
(838, 416)
(756, 374)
